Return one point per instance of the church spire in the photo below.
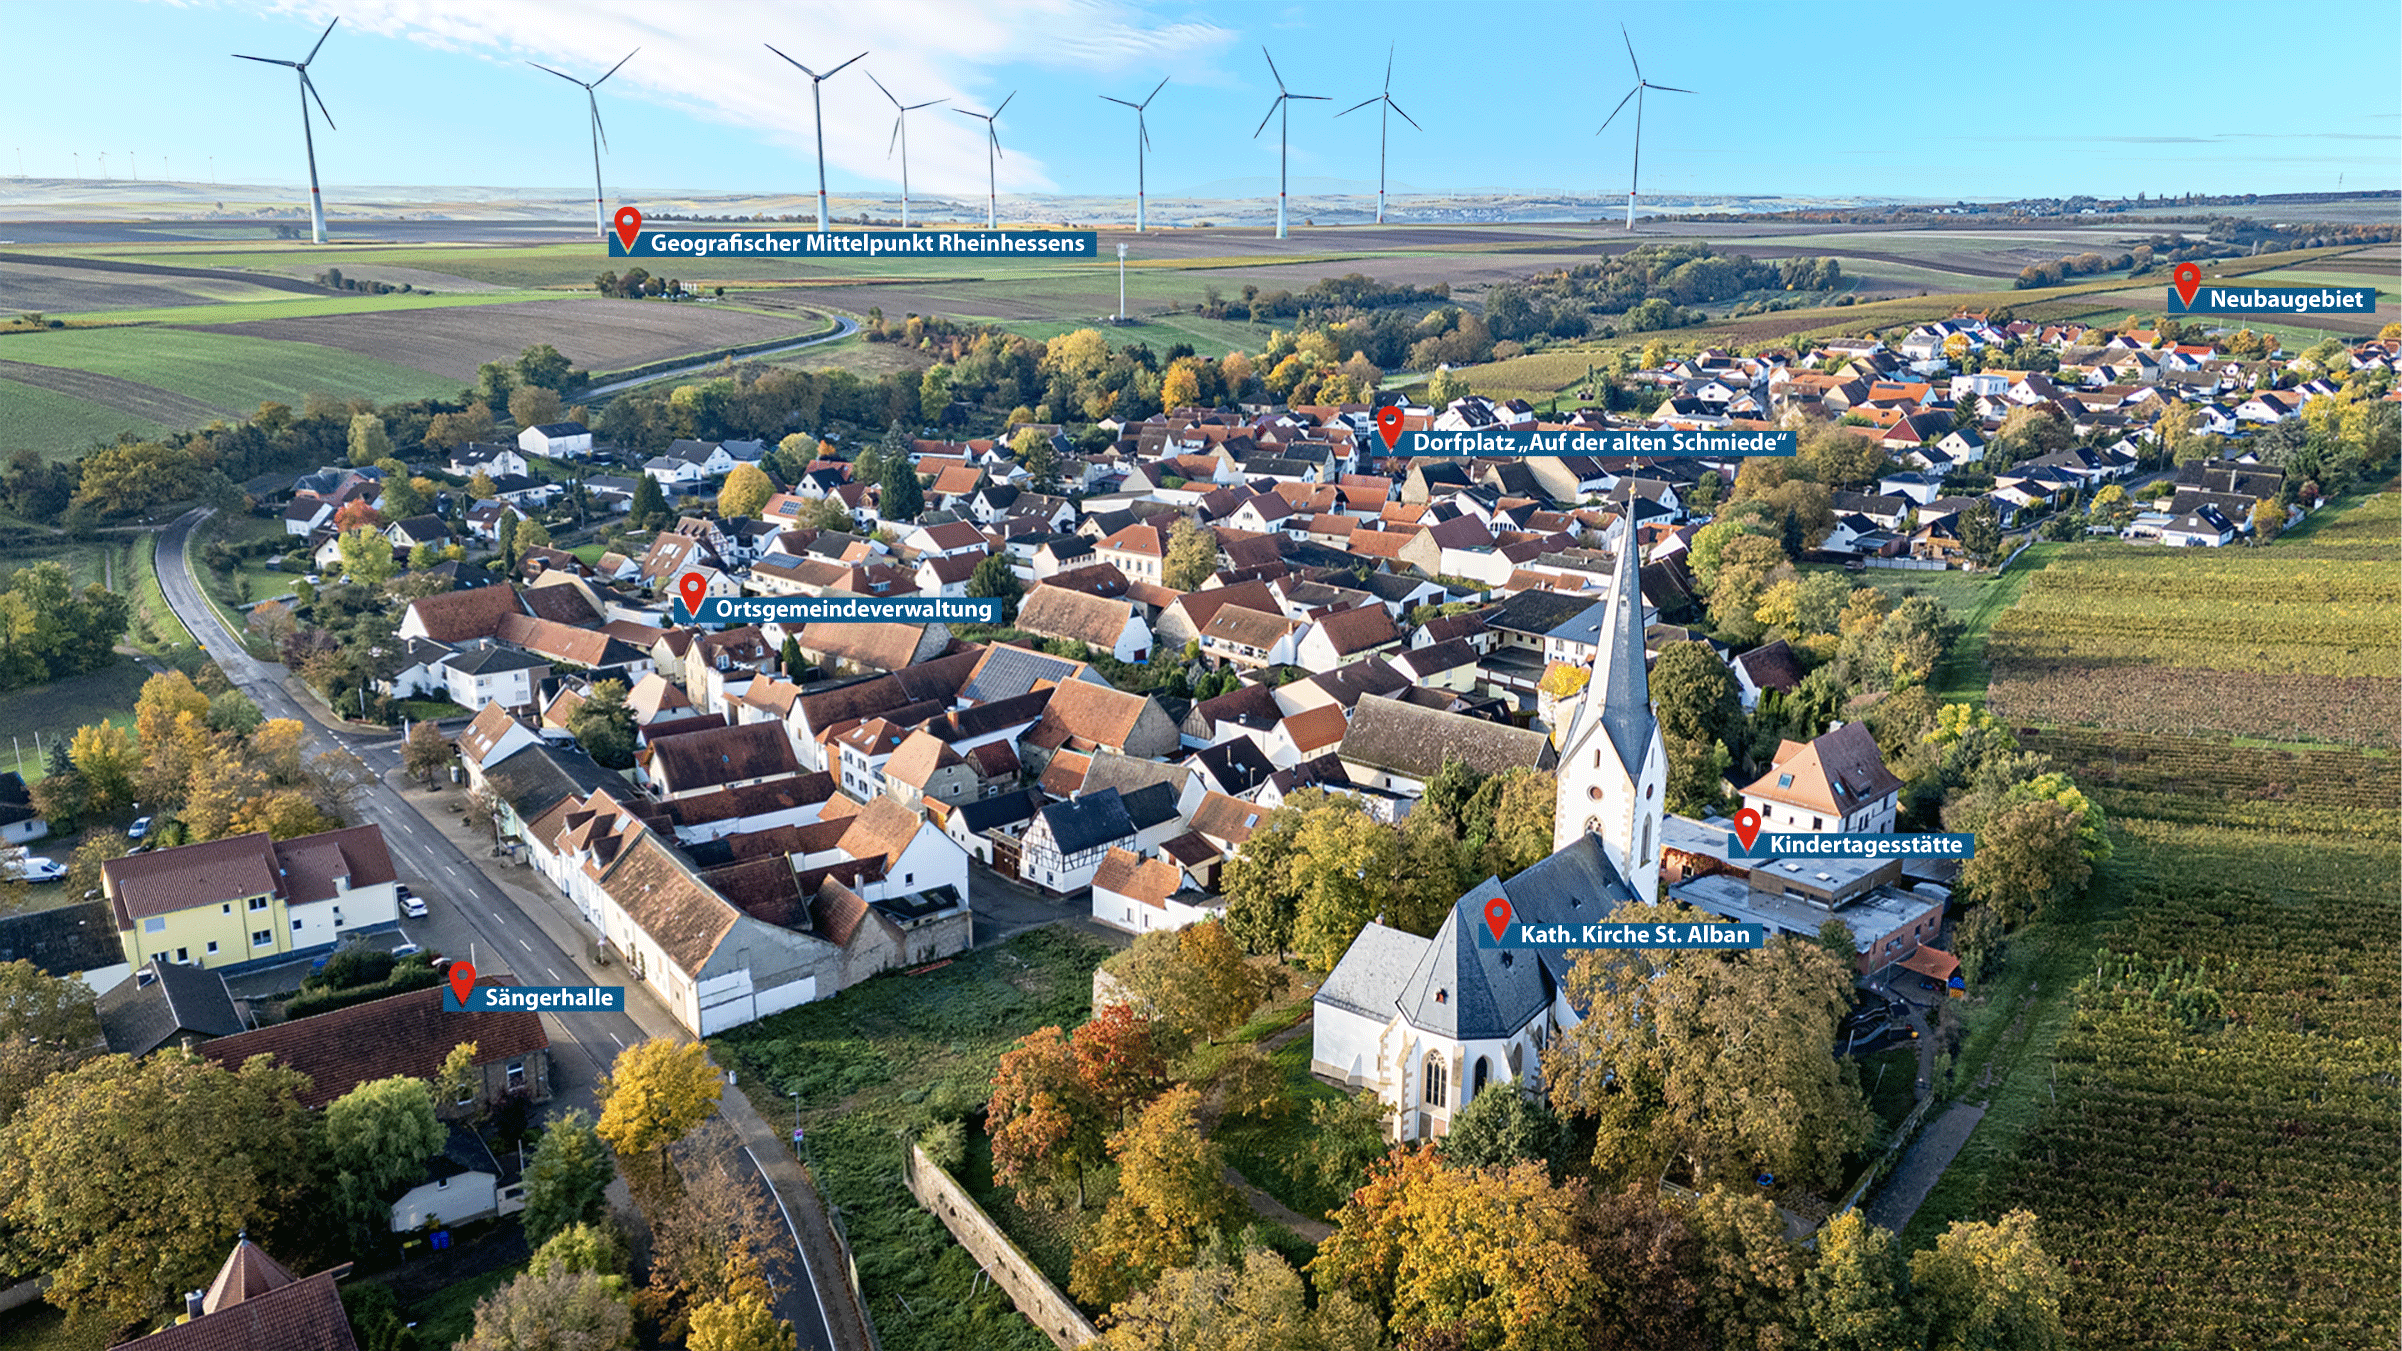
(1619, 694)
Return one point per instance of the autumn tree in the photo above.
(366, 556)
(1172, 1193)
(106, 758)
(742, 1319)
(745, 492)
(1119, 1056)
(1192, 556)
(1722, 1058)
(1485, 1256)
(47, 1024)
(427, 753)
(1502, 1126)
(1646, 1266)
(208, 1151)
(1343, 861)
(1989, 1287)
(1749, 1271)
(551, 1308)
(2028, 856)
(368, 440)
(653, 1095)
(377, 1139)
(718, 1235)
(1253, 1301)
(567, 1180)
(534, 405)
(1521, 834)
(1195, 980)
(1044, 1125)
(1852, 1298)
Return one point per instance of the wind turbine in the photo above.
(1382, 124)
(1282, 110)
(992, 191)
(1636, 93)
(600, 137)
(900, 136)
(308, 138)
(818, 107)
(1142, 142)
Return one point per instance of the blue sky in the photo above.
(1976, 100)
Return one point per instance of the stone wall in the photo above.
(1041, 1302)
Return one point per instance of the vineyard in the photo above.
(2170, 778)
(2295, 642)
(2219, 1170)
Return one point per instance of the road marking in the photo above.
(524, 944)
(449, 869)
(621, 1046)
(550, 973)
(807, 1271)
(496, 917)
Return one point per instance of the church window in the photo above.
(1594, 792)
(1645, 856)
(1437, 1081)
(1592, 825)
(1647, 791)
(1484, 1072)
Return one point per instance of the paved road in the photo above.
(843, 328)
(470, 912)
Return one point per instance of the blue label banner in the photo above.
(671, 243)
(1572, 937)
(1706, 443)
(2223, 298)
(538, 999)
(843, 610)
(1765, 845)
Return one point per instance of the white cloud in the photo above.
(708, 60)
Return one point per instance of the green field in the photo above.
(282, 305)
(224, 370)
(45, 419)
(58, 708)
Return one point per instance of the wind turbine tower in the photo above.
(308, 138)
(900, 136)
(1635, 176)
(600, 137)
(992, 138)
(1282, 110)
(818, 108)
(1383, 126)
(1142, 142)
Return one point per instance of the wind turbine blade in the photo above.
(1605, 122)
(1163, 83)
(839, 69)
(927, 104)
(619, 66)
(269, 60)
(996, 139)
(795, 64)
(965, 113)
(879, 84)
(307, 84)
(562, 75)
(1630, 51)
(1142, 130)
(1321, 98)
(1359, 105)
(1388, 68)
(896, 138)
(1122, 103)
(1404, 116)
(1004, 103)
(1667, 87)
(321, 37)
(596, 119)
(1263, 122)
(1272, 70)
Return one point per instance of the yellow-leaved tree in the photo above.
(652, 1096)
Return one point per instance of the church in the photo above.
(1429, 1023)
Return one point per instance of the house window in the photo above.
(226, 909)
(212, 947)
(258, 903)
(1438, 1081)
(183, 954)
(1815, 823)
(516, 1074)
(262, 938)
(156, 924)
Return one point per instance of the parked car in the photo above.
(139, 830)
(38, 869)
(413, 907)
(406, 950)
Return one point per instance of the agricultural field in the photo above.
(2294, 642)
(2189, 1075)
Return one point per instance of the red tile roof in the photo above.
(401, 1034)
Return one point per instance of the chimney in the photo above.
(191, 1303)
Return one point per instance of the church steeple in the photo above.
(1619, 694)
(1613, 768)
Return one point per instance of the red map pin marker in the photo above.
(462, 980)
(1497, 917)
(2189, 281)
(1388, 424)
(629, 224)
(694, 587)
(1747, 826)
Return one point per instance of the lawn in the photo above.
(47, 712)
(1976, 599)
(1890, 1079)
(891, 1056)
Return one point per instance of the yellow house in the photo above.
(248, 899)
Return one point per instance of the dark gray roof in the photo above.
(1619, 695)
(1390, 734)
(1089, 822)
(1374, 970)
(1468, 993)
(1005, 810)
(562, 429)
(1007, 672)
(1577, 885)
(65, 941)
(535, 779)
(1548, 613)
(486, 660)
(1238, 765)
(162, 1002)
(1351, 682)
(1129, 773)
(1148, 806)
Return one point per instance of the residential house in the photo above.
(250, 899)
(1837, 783)
(408, 1034)
(557, 441)
(720, 757)
(1140, 894)
(1772, 666)
(1394, 747)
(1346, 636)
(1112, 626)
(166, 1004)
(254, 1304)
(1064, 845)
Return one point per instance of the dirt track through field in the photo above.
(126, 396)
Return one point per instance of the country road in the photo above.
(843, 328)
(471, 912)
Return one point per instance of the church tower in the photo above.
(1613, 772)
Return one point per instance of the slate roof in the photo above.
(1088, 822)
(398, 1034)
(1374, 971)
(1148, 806)
(1237, 765)
(1467, 993)
(162, 1002)
(1006, 810)
(1403, 738)
(540, 777)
